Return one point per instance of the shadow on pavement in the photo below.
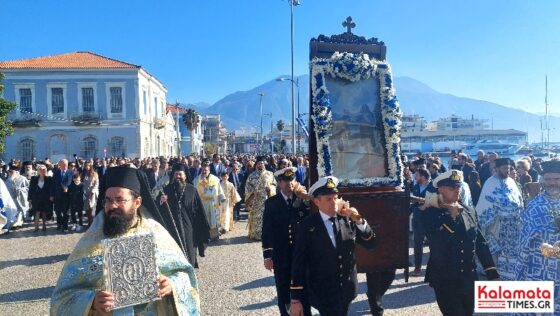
(422, 295)
(28, 232)
(263, 282)
(27, 295)
(261, 305)
(239, 240)
(34, 261)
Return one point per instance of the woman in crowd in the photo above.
(91, 190)
(41, 196)
(474, 185)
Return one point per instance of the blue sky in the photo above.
(495, 50)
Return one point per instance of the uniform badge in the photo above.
(312, 229)
(330, 184)
(455, 176)
(288, 173)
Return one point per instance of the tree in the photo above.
(280, 127)
(191, 120)
(6, 107)
(210, 149)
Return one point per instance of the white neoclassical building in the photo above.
(86, 104)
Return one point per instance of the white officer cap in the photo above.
(324, 186)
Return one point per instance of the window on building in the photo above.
(145, 100)
(146, 147)
(57, 100)
(89, 147)
(116, 100)
(156, 106)
(87, 100)
(26, 149)
(158, 144)
(25, 98)
(117, 146)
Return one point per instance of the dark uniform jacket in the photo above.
(280, 224)
(328, 272)
(453, 246)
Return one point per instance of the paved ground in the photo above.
(232, 278)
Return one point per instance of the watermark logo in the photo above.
(514, 297)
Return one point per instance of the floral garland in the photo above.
(356, 67)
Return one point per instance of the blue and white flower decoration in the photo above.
(356, 67)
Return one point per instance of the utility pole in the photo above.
(178, 131)
(292, 3)
(259, 142)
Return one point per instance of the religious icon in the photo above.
(356, 144)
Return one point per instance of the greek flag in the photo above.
(303, 126)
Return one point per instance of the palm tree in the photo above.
(191, 120)
(280, 127)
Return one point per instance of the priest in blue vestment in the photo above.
(81, 288)
(541, 224)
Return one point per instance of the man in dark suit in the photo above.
(455, 238)
(217, 167)
(419, 190)
(465, 167)
(236, 178)
(324, 262)
(282, 215)
(153, 173)
(193, 171)
(62, 179)
(487, 169)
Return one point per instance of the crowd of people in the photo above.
(481, 217)
(514, 204)
(72, 192)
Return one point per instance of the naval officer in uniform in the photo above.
(455, 239)
(324, 263)
(282, 215)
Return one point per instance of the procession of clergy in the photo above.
(312, 254)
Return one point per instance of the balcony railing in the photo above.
(27, 120)
(85, 118)
(159, 123)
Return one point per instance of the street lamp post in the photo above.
(292, 4)
(178, 131)
(296, 82)
(259, 140)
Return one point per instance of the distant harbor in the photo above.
(454, 133)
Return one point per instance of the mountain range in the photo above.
(242, 108)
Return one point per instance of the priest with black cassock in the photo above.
(182, 201)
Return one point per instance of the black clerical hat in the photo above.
(179, 167)
(551, 166)
(123, 177)
(502, 162)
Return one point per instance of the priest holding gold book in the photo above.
(128, 211)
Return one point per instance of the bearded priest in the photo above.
(81, 289)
